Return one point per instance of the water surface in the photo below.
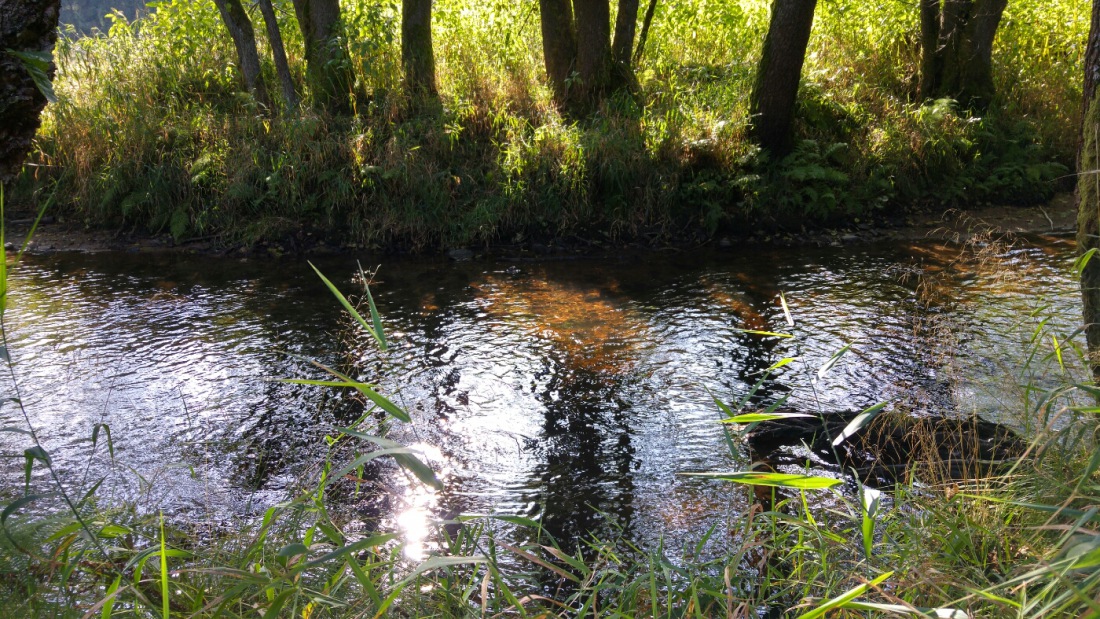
(574, 391)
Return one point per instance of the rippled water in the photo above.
(575, 391)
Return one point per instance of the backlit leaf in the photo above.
(779, 480)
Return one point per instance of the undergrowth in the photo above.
(151, 132)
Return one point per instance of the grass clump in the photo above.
(151, 132)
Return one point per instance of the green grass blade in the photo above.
(843, 599)
(435, 563)
(779, 480)
(766, 333)
(898, 609)
(404, 456)
(109, 600)
(376, 318)
(350, 309)
(828, 365)
(786, 310)
(382, 401)
(369, 542)
(758, 417)
(859, 422)
(163, 571)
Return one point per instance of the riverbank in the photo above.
(1056, 217)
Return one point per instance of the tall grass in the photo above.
(151, 132)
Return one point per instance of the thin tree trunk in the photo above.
(626, 26)
(328, 69)
(244, 40)
(930, 44)
(559, 46)
(1088, 194)
(647, 21)
(622, 46)
(28, 26)
(593, 47)
(776, 88)
(278, 52)
(416, 47)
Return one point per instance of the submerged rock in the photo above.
(893, 447)
(460, 254)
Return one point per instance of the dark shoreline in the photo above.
(1057, 217)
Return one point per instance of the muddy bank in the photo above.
(1057, 217)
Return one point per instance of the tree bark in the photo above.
(417, 54)
(593, 47)
(622, 47)
(647, 21)
(1088, 194)
(559, 46)
(328, 69)
(244, 40)
(576, 43)
(28, 26)
(776, 88)
(957, 49)
(278, 53)
(929, 43)
(626, 26)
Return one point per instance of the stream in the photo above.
(573, 391)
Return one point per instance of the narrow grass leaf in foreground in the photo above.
(435, 563)
(350, 309)
(404, 456)
(859, 422)
(382, 401)
(842, 600)
(375, 317)
(779, 480)
(765, 333)
(163, 571)
(758, 417)
(898, 609)
(786, 310)
(828, 365)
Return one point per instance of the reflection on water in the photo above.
(573, 391)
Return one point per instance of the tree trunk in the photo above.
(776, 88)
(593, 47)
(244, 40)
(559, 46)
(278, 52)
(622, 46)
(929, 44)
(957, 42)
(1088, 194)
(626, 25)
(328, 69)
(647, 21)
(27, 26)
(416, 48)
